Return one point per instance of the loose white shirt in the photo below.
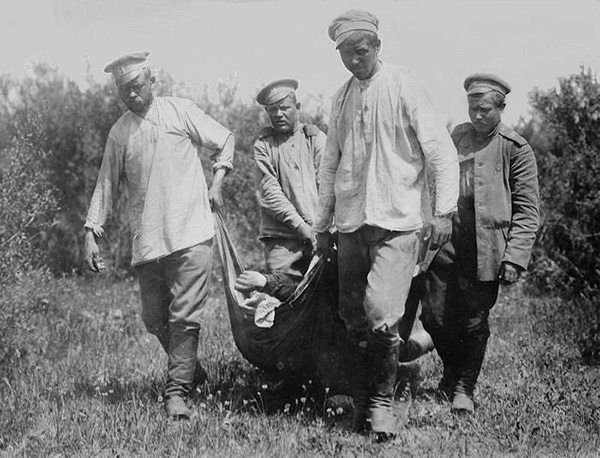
(157, 157)
(383, 134)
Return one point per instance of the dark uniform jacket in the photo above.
(505, 193)
(287, 188)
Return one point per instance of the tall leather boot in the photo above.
(357, 361)
(180, 373)
(419, 344)
(383, 352)
(473, 353)
(447, 349)
(163, 339)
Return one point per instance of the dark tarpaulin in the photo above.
(307, 339)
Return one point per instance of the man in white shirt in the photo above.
(153, 148)
(383, 133)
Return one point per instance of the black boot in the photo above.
(181, 369)
(473, 353)
(447, 349)
(383, 353)
(357, 368)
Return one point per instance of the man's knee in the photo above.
(477, 326)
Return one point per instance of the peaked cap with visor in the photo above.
(127, 67)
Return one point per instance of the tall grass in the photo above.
(83, 378)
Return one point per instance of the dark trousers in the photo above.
(456, 308)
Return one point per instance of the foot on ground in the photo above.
(176, 408)
(462, 403)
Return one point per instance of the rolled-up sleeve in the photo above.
(436, 143)
(206, 132)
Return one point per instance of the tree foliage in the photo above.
(565, 132)
(71, 126)
(27, 208)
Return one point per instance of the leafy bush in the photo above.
(74, 125)
(27, 208)
(565, 133)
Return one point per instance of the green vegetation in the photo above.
(85, 379)
(79, 376)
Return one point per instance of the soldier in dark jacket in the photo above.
(287, 155)
(493, 234)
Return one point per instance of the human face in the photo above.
(484, 113)
(137, 93)
(283, 115)
(360, 57)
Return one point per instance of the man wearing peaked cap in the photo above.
(493, 234)
(287, 155)
(276, 91)
(383, 132)
(481, 83)
(154, 146)
(127, 67)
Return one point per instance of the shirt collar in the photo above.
(362, 84)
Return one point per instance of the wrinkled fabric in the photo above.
(505, 199)
(375, 272)
(307, 340)
(382, 133)
(287, 168)
(157, 158)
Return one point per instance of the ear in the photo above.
(378, 46)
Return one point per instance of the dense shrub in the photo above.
(74, 125)
(27, 208)
(565, 132)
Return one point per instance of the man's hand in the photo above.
(92, 258)
(306, 234)
(249, 281)
(441, 230)
(215, 195)
(323, 242)
(215, 198)
(509, 273)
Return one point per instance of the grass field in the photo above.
(80, 377)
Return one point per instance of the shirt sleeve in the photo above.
(438, 148)
(270, 194)
(206, 132)
(330, 161)
(525, 207)
(319, 147)
(106, 188)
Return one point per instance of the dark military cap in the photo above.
(127, 67)
(351, 21)
(276, 91)
(481, 83)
